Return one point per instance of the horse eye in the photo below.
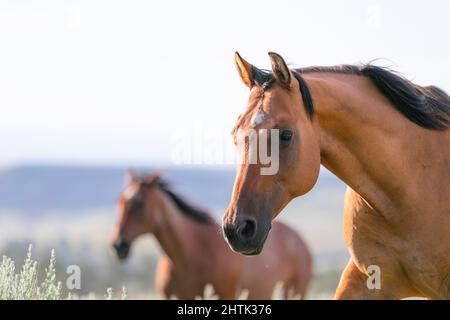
(286, 135)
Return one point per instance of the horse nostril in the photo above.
(247, 229)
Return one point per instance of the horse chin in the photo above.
(252, 253)
(122, 256)
(249, 249)
(257, 250)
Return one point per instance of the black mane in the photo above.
(186, 208)
(428, 107)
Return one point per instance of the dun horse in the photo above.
(386, 138)
(195, 253)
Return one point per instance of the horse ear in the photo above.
(245, 70)
(280, 70)
(154, 177)
(130, 176)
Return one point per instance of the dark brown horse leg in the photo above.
(300, 284)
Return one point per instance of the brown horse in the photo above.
(195, 253)
(386, 138)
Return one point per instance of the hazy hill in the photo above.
(37, 189)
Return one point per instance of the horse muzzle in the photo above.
(122, 249)
(245, 235)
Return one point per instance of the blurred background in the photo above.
(89, 89)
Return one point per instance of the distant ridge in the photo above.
(40, 189)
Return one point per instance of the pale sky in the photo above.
(113, 81)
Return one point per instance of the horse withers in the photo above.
(195, 253)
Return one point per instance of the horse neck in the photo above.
(361, 137)
(180, 237)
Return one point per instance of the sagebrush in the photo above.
(24, 284)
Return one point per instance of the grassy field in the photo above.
(31, 281)
(83, 240)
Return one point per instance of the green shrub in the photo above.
(24, 285)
